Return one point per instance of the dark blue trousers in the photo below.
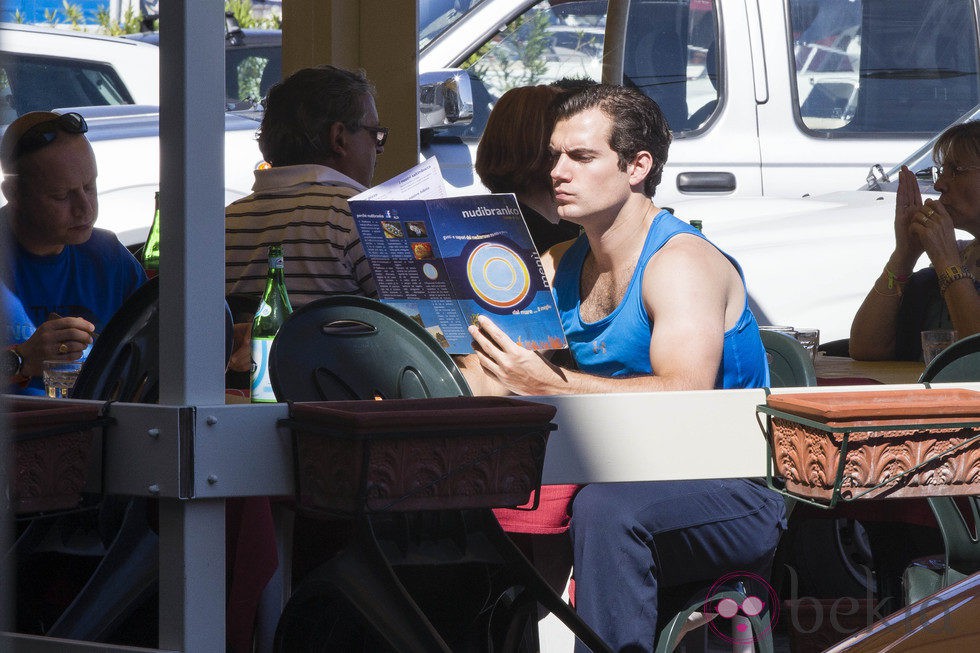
(631, 539)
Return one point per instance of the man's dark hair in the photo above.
(637, 124)
(574, 83)
(300, 110)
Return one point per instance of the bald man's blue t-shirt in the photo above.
(91, 281)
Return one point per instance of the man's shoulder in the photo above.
(316, 194)
(687, 253)
(103, 239)
(104, 246)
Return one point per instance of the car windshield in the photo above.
(35, 83)
(436, 16)
(918, 162)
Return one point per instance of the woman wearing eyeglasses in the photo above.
(903, 303)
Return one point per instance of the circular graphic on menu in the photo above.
(498, 275)
(430, 271)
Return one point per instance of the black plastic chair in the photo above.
(790, 365)
(124, 365)
(350, 347)
(840, 347)
(958, 362)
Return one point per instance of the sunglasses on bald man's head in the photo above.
(45, 132)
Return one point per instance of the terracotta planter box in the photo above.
(418, 454)
(52, 445)
(839, 446)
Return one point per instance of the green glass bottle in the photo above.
(150, 257)
(273, 311)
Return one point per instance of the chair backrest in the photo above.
(124, 364)
(790, 365)
(349, 347)
(958, 362)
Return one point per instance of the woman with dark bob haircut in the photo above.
(513, 157)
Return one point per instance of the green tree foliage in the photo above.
(129, 22)
(518, 58)
(243, 12)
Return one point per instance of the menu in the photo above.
(444, 260)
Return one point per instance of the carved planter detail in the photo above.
(876, 444)
(418, 454)
(52, 444)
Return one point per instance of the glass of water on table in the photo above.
(60, 376)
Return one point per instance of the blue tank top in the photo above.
(619, 344)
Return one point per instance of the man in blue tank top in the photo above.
(647, 304)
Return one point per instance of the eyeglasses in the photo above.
(45, 132)
(952, 171)
(380, 134)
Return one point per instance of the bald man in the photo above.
(68, 276)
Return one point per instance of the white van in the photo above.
(765, 97)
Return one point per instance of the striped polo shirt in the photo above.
(304, 207)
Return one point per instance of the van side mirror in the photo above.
(445, 98)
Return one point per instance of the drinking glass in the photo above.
(936, 340)
(59, 377)
(810, 339)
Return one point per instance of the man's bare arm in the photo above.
(685, 291)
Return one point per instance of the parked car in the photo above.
(253, 60)
(764, 98)
(43, 67)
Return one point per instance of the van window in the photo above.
(671, 55)
(43, 83)
(871, 67)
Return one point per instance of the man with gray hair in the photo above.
(320, 137)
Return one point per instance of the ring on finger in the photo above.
(930, 212)
(63, 349)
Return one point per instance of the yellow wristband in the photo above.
(896, 280)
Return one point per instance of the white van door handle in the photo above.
(706, 182)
